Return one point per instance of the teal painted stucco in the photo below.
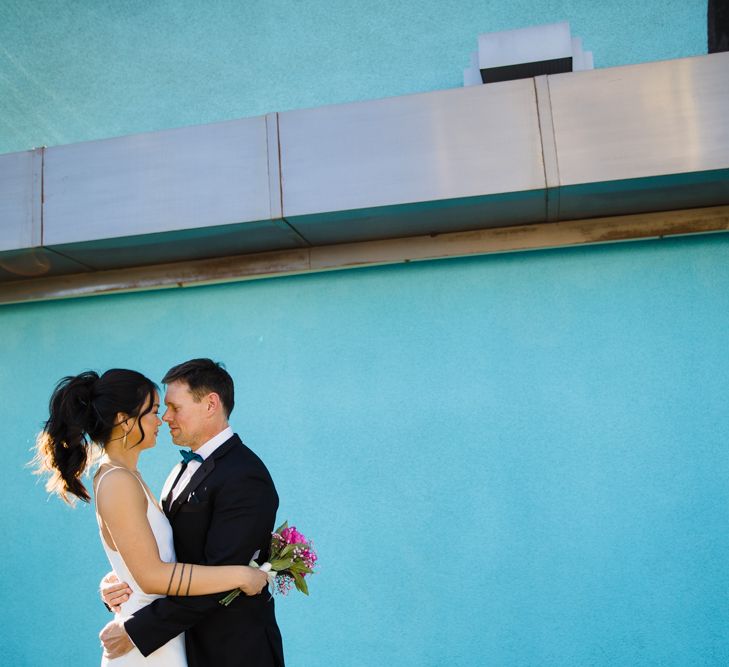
(75, 70)
(507, 460)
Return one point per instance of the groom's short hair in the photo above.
(204, 376)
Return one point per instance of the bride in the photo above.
(118, 414)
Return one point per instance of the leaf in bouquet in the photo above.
(281, 564)
(283, 526)
(300, 566)
(286, 551)
(300, 583)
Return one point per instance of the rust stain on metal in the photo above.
(369, 253)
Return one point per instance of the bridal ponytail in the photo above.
(83, 411)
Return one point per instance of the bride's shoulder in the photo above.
(114, 482)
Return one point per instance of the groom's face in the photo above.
(184, 415)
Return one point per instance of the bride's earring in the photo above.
(124, 441)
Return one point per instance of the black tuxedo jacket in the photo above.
(224, 514)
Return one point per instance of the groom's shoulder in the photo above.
(239, 455)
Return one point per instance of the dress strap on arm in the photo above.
(147, 495)
(106, 472)
(97, 488)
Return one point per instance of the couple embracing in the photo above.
(171, 560)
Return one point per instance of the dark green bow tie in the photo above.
(188, 455)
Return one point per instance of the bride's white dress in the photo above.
(172, 654)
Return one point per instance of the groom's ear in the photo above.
(213, 403)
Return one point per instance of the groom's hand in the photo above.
(115, 640)
(113, 593)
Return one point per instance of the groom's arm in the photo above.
(231, 540)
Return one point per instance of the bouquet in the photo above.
(292, 558)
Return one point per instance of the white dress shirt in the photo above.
(205, 450)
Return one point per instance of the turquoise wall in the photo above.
(74, 70)
(508, 460)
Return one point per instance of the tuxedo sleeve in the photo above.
(230, 540)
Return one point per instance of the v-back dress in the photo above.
(172, 654)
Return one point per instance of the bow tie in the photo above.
(188, 455)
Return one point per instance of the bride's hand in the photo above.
(255, 581)
(114, 593)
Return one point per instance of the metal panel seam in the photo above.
(69, 258)
(279, 174)
(273, 161)
(549, 146)
(36, 215)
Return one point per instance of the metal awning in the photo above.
(616, 141)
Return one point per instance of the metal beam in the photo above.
(371, 253)
(610, 142)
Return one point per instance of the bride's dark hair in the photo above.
(83, 411)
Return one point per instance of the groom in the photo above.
(222, 506)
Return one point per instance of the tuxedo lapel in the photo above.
(207, 466)
(200, 474)
(172, 478)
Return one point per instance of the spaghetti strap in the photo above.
(97, 488)
(107, 471)
(147, 495)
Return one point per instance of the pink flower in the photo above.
(292, 536)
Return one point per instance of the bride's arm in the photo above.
(122, 505)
